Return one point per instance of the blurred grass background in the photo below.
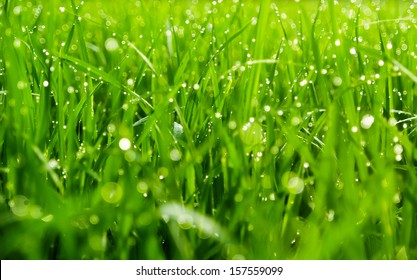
(208, 129)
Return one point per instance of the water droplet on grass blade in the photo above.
(53, 163)
(178, 130)
(337, 81)
(303, 83)
(367, 121)
(111, 192)
(251, 133)
(130, 156)
(293, 183)
(232, 125)
(124, 144)
(17, 10)
(19, 205)
(175, 155)
(111, 44)
(94, 219)
(392, 121)
(398, 149)
(330, 215)
(16, 43)
(142, 187)
(35, 211)
(295, 121)
(21, 84)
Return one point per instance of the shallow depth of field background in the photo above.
(208, 129)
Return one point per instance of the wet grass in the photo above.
(208, 130)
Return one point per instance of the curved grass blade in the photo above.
(49, 170)
(97, 73)
(147, 61)
(186, 217)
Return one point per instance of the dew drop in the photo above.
(178, 130)
(20, 205)
(367, 121)
(295, 121)
(94, 219)
(142, 187)
(35, 211)
(53, 164)
(398, 149)
(124, 144)
(293, 183)
(130, 156)
(17, 10)
(337, 81)
(111, 128)
(330, 215)
(232, 125)
(251, 133)
(303, 83)
(175, 155)
(111, 192)
(17, 43)
(21, 85)
(111, 44)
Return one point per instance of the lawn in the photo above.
(224, 129)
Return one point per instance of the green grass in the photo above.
(208, 130)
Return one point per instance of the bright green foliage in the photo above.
(208, 129)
